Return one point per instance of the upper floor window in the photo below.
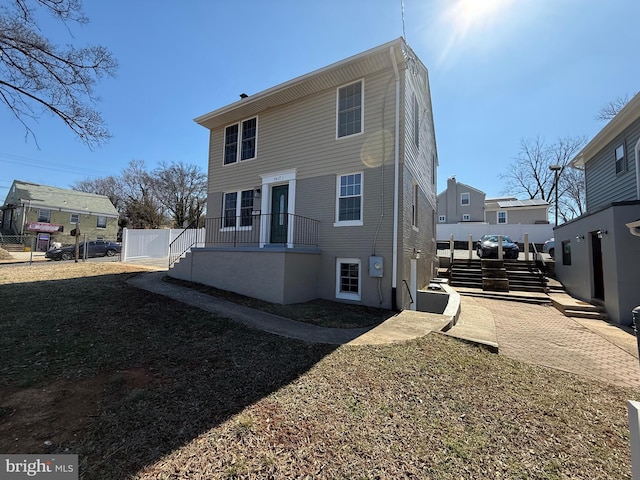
(233, 210)
(464, 199)
(621, 164)
(350, 111)
(240, 141)
(44, 215)
(416, 122)
(414, 206)
(349, 199)
(502, 217)
(74, 218)
(101, 221)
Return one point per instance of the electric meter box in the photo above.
(375, 266)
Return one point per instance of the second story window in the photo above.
(349, 121)
(101, 221)
(240, 141)
(620, 162)
(464, 199)
(502, 217)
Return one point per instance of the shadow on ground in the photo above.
(123, 377)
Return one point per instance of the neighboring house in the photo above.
(460, 203)
(598, 254)
(510, 210)
(51, 213)
(464, 211)
(324, 186)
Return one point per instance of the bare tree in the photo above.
(182, 190)
(38, 77)
(530, 176)
(571, 194)
(142, 208)
(612, 108)
(108, 186)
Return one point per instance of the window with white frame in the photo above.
(442, 219)
(349, 200)
(240, 141)
(620, 159)
(44, 215)
(101, 221)
(348, 278)
(502, 217)
(464, 199)
(232, 209)
(349, 111)
(416, 122)
(466, 217)
(74, 218)
(414, 206)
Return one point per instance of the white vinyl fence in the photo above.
(461, 231)
(139, 244)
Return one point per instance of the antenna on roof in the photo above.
(404, 35)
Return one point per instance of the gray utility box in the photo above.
(375, 266)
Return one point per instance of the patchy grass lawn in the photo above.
(317, 312)
(140, 386)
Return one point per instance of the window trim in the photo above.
(238, 208)
(462, 196)
(415, 211)
(622, 161)
(442, 219)
(71, 215)
(349, 223)
(506, 222)
(416, 121)
(239, 140)
(348, 295)
(98, 217)
(44, 218)
(349, 135)
(466, 217)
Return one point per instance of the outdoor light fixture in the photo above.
(579, 238)
(601, 233)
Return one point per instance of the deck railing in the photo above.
(262, 229)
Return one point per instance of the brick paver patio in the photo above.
(541, 335)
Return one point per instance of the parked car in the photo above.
(487, 247)
(95, 248)
(549, 247)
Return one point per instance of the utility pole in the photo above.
(556, 169)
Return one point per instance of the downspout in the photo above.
(396, 174)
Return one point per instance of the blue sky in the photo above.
(517, 69)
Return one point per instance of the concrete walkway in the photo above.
(401, 327)
(536, 334)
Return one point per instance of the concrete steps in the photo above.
(495, 275)
(571, 307)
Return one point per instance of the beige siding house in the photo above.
(324, 186)
(510, 210)
(51, 213)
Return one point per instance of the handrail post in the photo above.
(526, 247)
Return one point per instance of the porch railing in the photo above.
(263, 229)
(183, 242)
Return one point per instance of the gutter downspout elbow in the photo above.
(396, 174)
